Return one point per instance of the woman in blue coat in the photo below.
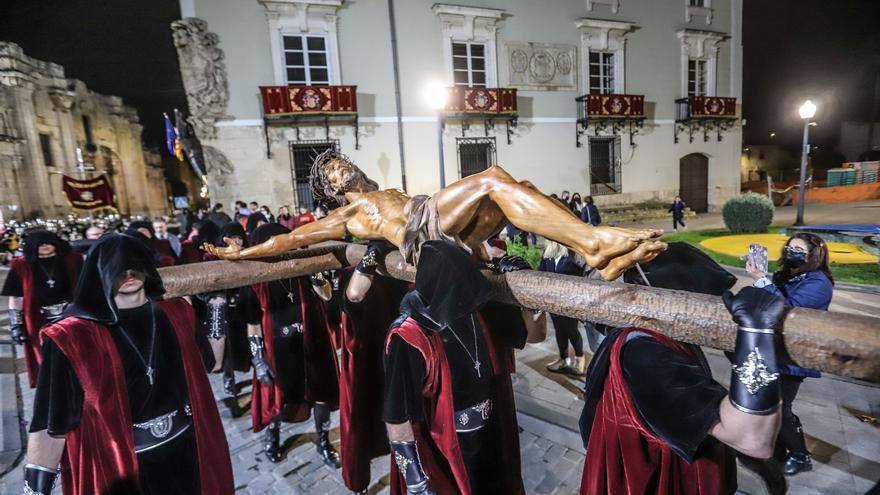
(557, 259)
(804, 280)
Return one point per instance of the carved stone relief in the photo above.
(203, 72)
(219, 168)
(541, 66)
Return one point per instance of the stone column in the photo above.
(63, 103)
(34, 187)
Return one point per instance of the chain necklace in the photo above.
(50, 276)
(147, 364)
(288, 289)
(476, 357)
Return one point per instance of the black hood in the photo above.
(112, 255)
(208, 232)
(448, 286)
(231, 229)
(683, 267)
(680, 267)
(254, 218)
(141, 224)
(265, 232)
(36, 238)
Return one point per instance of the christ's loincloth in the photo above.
(423, 224)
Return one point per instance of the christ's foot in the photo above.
(646, 252)
(613, 250)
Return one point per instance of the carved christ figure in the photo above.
(468, 212)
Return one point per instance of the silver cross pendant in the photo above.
(150, 371)
(290, 296)
(477, 368)
(50, 283)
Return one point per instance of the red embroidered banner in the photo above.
(613, 105)
(712, 106)
(90, 194)
(481, 100)
(303, 100)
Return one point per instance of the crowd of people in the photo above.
(421, 371)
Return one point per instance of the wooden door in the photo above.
(693, 182)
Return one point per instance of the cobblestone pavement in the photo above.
(837, 417)
(552, 456)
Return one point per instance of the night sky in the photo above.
(825, 50)
(117, 47)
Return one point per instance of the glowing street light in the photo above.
(435, 96)
(807, 111)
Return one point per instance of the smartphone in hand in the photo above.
(758, 257)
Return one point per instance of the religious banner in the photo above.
(90, 194)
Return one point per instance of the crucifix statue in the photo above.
(468, 212)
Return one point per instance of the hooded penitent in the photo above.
(625, 425)
(231, 229)
(27, 270)
(134, 227)
(683, 267)
(100, 449)
(253, 222)
(237, 350)
(37, 238)
(449, 286)
(318, 350)
(443, 266)
(108, 259)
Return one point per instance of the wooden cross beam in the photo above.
(842, 344)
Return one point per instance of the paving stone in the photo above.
(573, 456)
(548, 484)
(847, 460)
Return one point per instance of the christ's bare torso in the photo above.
(471, 209)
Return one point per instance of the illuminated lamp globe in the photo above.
(435, 96)
(807, 110)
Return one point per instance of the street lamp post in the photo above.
(806, 111)
(436, 96)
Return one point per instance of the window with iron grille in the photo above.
(475, 155)
(302, 155)
(46, 147)
(697, 3)
(696, 77)
(305, 59)
(601, 73)
(604, 166)
(469, 64)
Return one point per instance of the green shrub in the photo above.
(531, 254)
(748, 213)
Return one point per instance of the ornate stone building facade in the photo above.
(44, 119)
(631, 101)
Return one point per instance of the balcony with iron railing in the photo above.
(612, 113)
(309, 105)
(704, 113)
(488, 105)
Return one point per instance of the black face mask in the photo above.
(794, 259)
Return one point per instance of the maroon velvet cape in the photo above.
(436, 438)
(99, 453)
(625, 456)
(33, 319)
(189, 253)
(319, 351)
(362, 381)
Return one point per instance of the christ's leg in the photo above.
(610, 250)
